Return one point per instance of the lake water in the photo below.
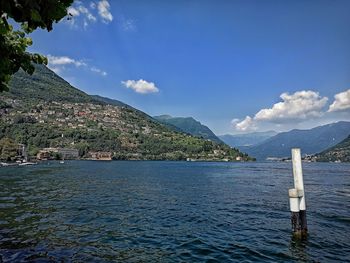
(85, 211)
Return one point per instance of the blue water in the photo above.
(85, 211)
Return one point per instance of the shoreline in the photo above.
(38, 162)
(35, 162)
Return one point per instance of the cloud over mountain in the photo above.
(245, 125)
(295, 107)
(341, 102)
(299, 105)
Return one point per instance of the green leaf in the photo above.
(30, 14)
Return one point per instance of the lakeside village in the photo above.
(52, 153)
(62, 154)
(55, 153)
(72, 115)
(88, 116)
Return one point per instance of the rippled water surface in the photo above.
(85, 211)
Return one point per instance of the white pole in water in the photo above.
(297, 196)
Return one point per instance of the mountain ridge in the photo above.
(189, 125)
(48, 86)
(246, 139)
(310, 141)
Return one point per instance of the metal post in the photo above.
(297, 196)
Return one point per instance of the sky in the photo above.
(237, 66)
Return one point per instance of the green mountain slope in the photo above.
(190, 126)
(247, 139)
(310, 141)
(111, 101)
(339, 152)
(118, 103)
(46, 85)
(43, 110)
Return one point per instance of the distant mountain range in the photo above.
(43, 110)
(247, 139)
(339, 152)
(310, 141)
(188, 125)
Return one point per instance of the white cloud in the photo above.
(57, 64)
(83, 15)
(103, 10)
(235, 121)
(83, 10)
(300, 105)
(141, 86)
(64, 60)
(92, 5)
(296, 107)
(341, 102)
(91, 17)
(99, 71)
(128, 25)
(246, 125)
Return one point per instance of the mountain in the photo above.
(339, 152)
(247, 139)
(45, 85)
(188, 125)
(310, 141)
(118, 103)
(43, 110)
(110, 101)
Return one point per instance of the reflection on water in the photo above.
(170, 212)
(298, 248)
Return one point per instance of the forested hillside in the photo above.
(339, 152)
(188, 125)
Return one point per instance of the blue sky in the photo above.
(237, 66)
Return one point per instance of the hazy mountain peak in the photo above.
(188, 125)
(246, 139)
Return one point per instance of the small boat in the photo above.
(61, 162)
(26, 163)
